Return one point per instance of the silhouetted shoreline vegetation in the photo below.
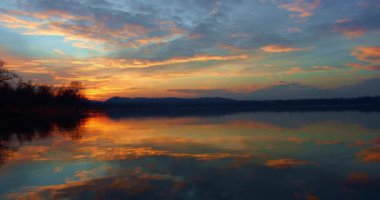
(18, 97)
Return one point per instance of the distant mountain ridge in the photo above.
(214, 103)
(123, 100)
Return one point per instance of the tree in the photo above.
(71, 93)
(44, 92)
(5, 75)
(16, 92)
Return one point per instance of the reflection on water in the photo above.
(326, 155)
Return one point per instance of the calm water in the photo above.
(326, 155)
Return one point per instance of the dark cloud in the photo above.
(299, 91)
(242, 24)
(293, 90)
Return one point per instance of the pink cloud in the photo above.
(364, 67)
(304, 8)
(294, 30)
(285, 163)
(349, 28)
(280, 49)
(353, 32)
(298, 70)
(368, 54)
(343, 20)
(324, 68)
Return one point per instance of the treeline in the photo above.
(14, 92)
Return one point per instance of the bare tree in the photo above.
(5, 75)
(15, 91)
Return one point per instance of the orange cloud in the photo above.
(327, 142)
(285, 163)
(304, 8)
(201, 58)
(298, 70)
(104, 77)
(280, 49)
(353, 32)
(312, 197)
(350, 32)
(358, 177)
(30, 153)
(126, 153)
(324, 68)
(232, 48)
(16, 23)
(296, 140)
(140, 63)
(349, 28)
(369, 54)
(295, 70)
(371, 154)
(364, 67)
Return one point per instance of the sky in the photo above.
(242, 49)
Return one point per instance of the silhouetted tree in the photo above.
(45, 93)
(5, 75)
(70, 94)
(16, 92)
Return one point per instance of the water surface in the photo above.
(263, 155)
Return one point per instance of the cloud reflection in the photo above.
(198, 157)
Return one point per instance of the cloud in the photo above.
(105, 77)
(280, 49)
(143, 29)
(343, 20)
(294, 30)
(370, 155)
(58, 51)
(324, 68)
(145, 63)
(364, 67)
(299, 70)
(285, 163)
(128, 41)
(350, 28)
(204, 92)
(292, 90)
(304, 8)
(368, 54)
(299, 91)
(362, 22)
(79, 29)
(352, 32)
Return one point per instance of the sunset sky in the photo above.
(243, 49)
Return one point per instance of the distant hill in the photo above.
(217, 103)
(169, 100)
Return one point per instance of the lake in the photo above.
(257, 155)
